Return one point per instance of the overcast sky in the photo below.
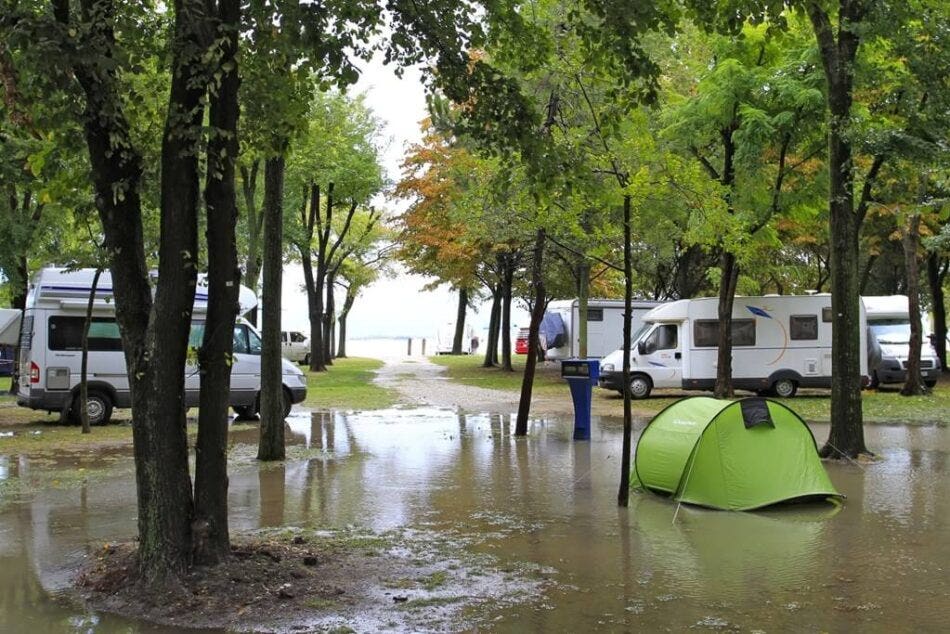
(391, 307)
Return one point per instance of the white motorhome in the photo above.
(780, 343)
(889, 324)
(604, 326)
(51, 343)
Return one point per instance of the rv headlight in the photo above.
(607, 367)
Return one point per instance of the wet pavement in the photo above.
(546, 503)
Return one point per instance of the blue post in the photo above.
(581, 375)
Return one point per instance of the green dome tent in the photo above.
(731, 455)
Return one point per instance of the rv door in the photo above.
(659, 354)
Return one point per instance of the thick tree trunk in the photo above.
(728, 277)
(846, 436)
(211, 535)
(623, 495)
(937, 268)
(271, 445)
(537, 312)
(154, 335)
(84, 364)
(460, 321)
(494, 321)
(910, 239)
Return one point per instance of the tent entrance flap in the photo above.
(755, 411)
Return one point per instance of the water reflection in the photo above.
(548, 502)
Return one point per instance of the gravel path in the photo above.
(419, 381)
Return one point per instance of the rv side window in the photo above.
(803, 327)
(663, 338)
(595, 314)
(26, 333)
(196, 335)
(240, 339)
(246, 341)
(297, 337)
(706, 332)
(253, 342)
(65, 333)
(826, 314)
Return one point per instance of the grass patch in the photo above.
(348, 384)
(467, 369)
(319, 603)
(884, 406)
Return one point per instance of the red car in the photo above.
(521, 342)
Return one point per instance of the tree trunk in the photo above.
(494, 319)
(728, 278)
(347, 305)
(460, 321)
(910, 239)
(623, 495)
(252, 266)
(211, 534)
(846, 436)
(84, 364)
(154, 334)
(506, 290)
(537, 312)
(937, 268)
(583, 290)
(329, 317)
(271, 445)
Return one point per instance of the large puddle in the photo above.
(880, 562)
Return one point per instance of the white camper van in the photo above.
(604, 326)
(295, 346)
(889, 324)
(445, 337)
(780, 343)
(51, 350)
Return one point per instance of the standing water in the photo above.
(878, 562)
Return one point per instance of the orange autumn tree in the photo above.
(460, 228)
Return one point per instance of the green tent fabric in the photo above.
(731, 455)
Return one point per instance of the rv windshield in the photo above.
(891, 330)
(636, 336)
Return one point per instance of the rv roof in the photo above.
(70, 289)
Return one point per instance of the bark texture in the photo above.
(537, 312)
(623, 495)
(211, 536)
(937, 269)
(910, 239)
(271, 445)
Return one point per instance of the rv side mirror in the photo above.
(642, 348)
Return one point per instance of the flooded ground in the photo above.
(544, 503)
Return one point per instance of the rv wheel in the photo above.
(98, 406)
(785, 388)
(640, 387)
(248, 412)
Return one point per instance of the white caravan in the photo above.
(604, 326)
(295, 346)
(51, 350)
(889, 324)
(780, 343)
